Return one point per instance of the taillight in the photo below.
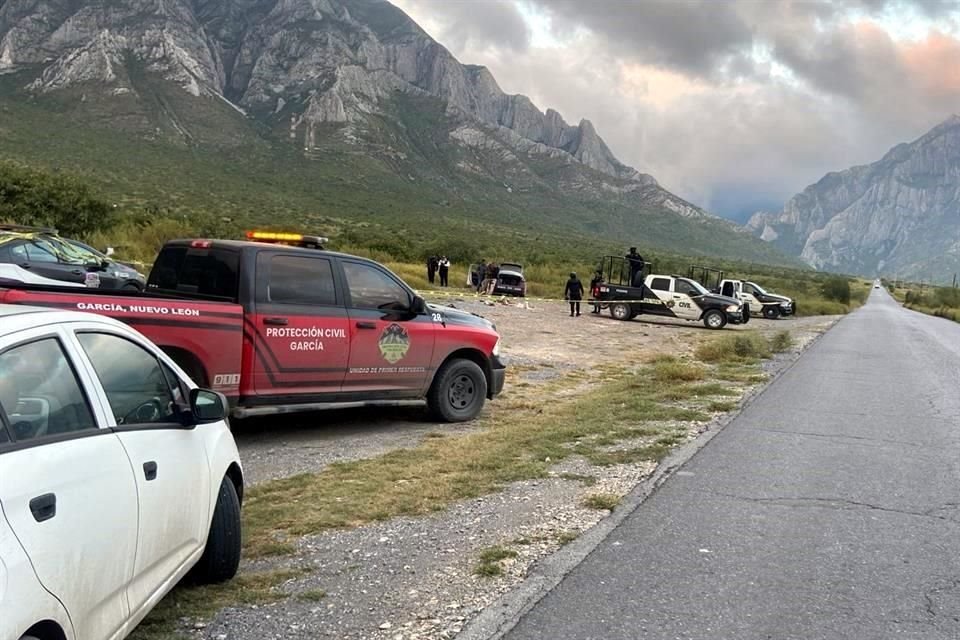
(201, 244)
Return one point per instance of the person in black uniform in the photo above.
(595, 283)
(432, 268)
(574, 294)
(635, 260)
(443, 268)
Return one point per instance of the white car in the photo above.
(118, 477)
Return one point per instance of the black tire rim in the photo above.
(462, 392)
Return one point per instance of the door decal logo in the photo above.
(394, 343)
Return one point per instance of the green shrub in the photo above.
(735, 347)
(836, 288)
(666, 371)
(781, 341)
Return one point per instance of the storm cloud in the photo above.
(731, 103)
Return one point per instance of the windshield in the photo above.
(757, 287)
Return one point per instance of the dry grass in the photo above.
(490, 561)
(199, 603)
(602, 501)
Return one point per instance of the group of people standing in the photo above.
(485, 274)
(438, 265)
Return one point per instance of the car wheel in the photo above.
(714, 319)
(620, 311)
(770, 312)
(458, 391)
(130, 286)
(221, 556)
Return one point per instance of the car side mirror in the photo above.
(208, 406)
(419, 305)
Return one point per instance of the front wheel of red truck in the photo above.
(458, 391)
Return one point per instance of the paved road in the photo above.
(829, 509)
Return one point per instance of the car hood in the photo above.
(772, 297)
(465, 318)
(714, 298)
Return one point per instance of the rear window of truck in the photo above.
(188, 270)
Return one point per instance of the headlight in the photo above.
(733, 308)
(496, 349)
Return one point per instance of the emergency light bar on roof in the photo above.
(281, 237)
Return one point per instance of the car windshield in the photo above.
(757, 287)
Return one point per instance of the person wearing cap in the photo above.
(573, 293)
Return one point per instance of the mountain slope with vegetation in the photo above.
(340, 116)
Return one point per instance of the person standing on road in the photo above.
(574, 294)
(432, 268)
(595, 283)
(444, 268)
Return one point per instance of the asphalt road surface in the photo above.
(829, 509)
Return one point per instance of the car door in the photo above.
(685, 296)
(302, 337)
(66, 486)
(391, 347)
(145, 400)
(750, 295)
(660, 289)
(39, 258)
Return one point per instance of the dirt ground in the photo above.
(413, 578)
(540, 342)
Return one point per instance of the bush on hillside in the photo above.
(837, 288)
(33, 197)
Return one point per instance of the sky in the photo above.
(735, 105)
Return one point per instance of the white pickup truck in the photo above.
(770, 305)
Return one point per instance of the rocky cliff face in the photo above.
(898, 215)
(309, 63)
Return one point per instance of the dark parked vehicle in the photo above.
(131, 278)
(43, 255)
(510, 280)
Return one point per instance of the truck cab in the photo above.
(770, 305)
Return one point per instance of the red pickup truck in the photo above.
(280, 328)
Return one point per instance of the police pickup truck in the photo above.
(279, 325)
(770, 305)
(629, 295)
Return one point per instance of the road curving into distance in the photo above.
(830, 508)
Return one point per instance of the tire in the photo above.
(771, 312)
(714, 319)
(131, 287)
(458, 391)
(620, 311)
(221, 556)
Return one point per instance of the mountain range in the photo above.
(335, 110)
(899, 216)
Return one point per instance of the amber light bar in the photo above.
(275, 236)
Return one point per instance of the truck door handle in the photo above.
(279, 322)
(44, 507)
(150, 470)
(366, 325)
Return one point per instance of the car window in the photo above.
(18, 253)
(40, 394)
(137, 387)
(749, 288)
(371, 288)
(686, 288)
(40, 251)
(301, 280)
(4, 437)
(205, 271)
(660, 284)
